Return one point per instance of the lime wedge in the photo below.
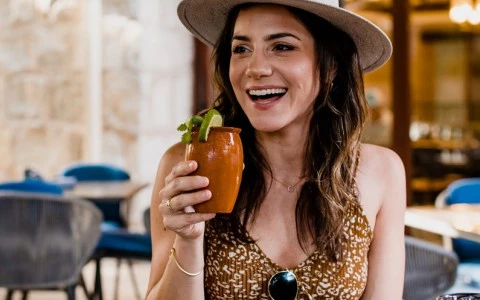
(211, 119)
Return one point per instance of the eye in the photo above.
(239, 49)
(282, 47)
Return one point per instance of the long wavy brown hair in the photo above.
(339, 114)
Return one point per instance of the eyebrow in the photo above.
(270, 37)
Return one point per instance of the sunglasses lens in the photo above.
(460, 296)
(283, 286)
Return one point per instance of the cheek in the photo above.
(305, 71)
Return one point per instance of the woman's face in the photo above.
(273, 68)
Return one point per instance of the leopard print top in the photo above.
(242, 271)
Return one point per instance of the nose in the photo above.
(258, 65)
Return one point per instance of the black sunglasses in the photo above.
(460, 296)
(283, 286)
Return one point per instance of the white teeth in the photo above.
(267, 92)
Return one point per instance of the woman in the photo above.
(318, 216)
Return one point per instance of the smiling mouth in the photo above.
(266, 94)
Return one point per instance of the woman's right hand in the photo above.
(181, 191)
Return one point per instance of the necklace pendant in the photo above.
(291, 188)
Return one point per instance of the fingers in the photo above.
(181, 169)
(182, 201)
(183, 222)
(181, 181)
(169, 206)
(181, 192)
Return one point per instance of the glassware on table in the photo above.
(459, 296)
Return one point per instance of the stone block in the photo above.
(121, 100)
(29, 145)
(4, 13)
(128, 8)
(66, 11)
(14, 52)
(21, 12)
(26, 96)
(120, 42)
(65, 145)
(78, 53)
(3, 98)
(49, 47)
(76, 145)
(68, 101)
(119, 149)
(6, 152)
(165, 51)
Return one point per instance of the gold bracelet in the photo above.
(174, 256)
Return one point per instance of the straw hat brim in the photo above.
(205, 19)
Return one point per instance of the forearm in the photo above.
(174, 283)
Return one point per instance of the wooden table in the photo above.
(457, 221)
(106, 190)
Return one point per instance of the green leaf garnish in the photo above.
(187, 137)
(211, 118)
(196, 120)
(182, 127)
(191, 122)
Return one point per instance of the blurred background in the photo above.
(108, 81)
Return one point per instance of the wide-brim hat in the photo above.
(205, 19)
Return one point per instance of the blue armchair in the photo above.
(115, 211)
(466, 190)
(463, 191)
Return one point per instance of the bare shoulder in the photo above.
(380, 178)
(170, 158)
(173, 155)
(380, 162)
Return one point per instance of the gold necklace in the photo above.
(290, 187)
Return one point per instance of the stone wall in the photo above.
(42, 95)
(146, 85)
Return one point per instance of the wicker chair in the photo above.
(146, 219)
(430, 269)
(45, 240)
(116, 240)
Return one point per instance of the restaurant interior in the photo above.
(93, 91)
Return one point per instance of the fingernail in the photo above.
(191, 164)
(208, 193)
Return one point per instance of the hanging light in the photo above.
(474, 17)
(465, 11)
(475, 14)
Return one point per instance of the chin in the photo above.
(265, 126)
